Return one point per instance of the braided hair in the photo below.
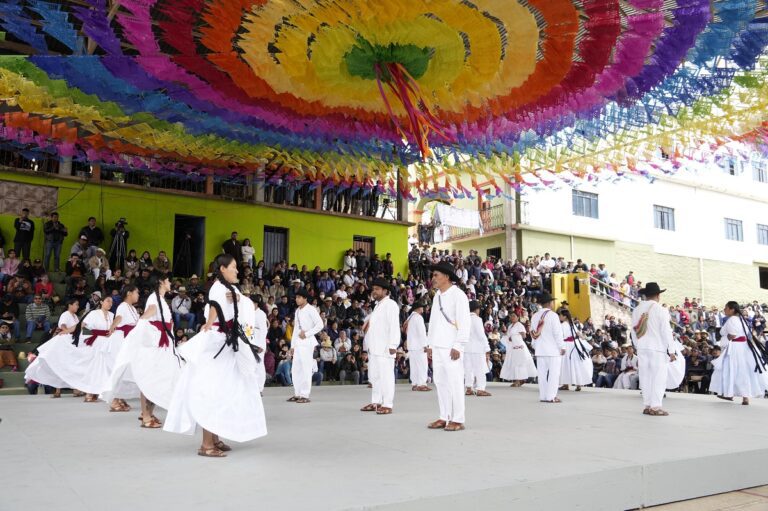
(161, 277)
(576, 344)
(130, 288)
(225, 260)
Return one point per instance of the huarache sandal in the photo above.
(55, 396)
(293, 399)
(659, 413)
(438, 424)
(563, 387)
(151, 424)
(222, 446)
(383, 410)
(578, 388)
(725, 398)
(469, 392)
(482, 393)
(125, 404)
(369, 408)
(90, 399)
(117, 407)
(141, 418)
(424, 388)
(302, 400)
(646, 411)
(454, 426)
(77, 393)
(211, 453)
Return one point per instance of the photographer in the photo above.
(119, 249)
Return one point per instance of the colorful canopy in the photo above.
(348, 93)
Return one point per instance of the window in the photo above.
(585, 204)
(762, 234)
(733, 230)
(763, 278)
(760, 172)
(494, 252)
(664, 218)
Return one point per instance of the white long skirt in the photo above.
(676, 372)
(95, 377)
(155, 370)
(518, 365)
(218, 394)
(576, 371)
(51, 365)
(735, 374)
(121, 382)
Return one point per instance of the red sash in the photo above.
(739, 339)
(126, 329)
(94, 335)
(164, 341)
(228, 323)
(568, 339)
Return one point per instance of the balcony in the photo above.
(491, 219)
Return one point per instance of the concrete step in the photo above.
(12, 379)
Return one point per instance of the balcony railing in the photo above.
(491, 219)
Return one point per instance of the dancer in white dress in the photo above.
(92, 359)
(259, 339)
(218, 388)
(518, 362)
(676, 369)
(43, 369)
(577, 366)
(121, 387)
(153, 364)
(741, 369)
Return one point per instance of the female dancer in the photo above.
(577, 362)
(43, 369)
(118, 389)
(676, 369)
(518, 362)
(150, 359)
(97, 366)
(741, 369)
(218, 388)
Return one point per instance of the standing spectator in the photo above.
(55, 232)
(162, 263)
(181, 306)
(92, 233)
(25, 231)
(38, 316)
(248, 252)
(387, 266)
(350, 263)
(233, 247)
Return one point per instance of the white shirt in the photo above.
(96, 320)
(181, 305)
(478, 341)
(629, 363)
(68, 320)
(260, 326)
(514, 337)
(450, 328)
(152, 300)
(307, 319)
(384, 328)
(127, 313)
(658, 335)
(550, 342)
(416, 332)
(732, 326)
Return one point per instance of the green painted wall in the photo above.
(314, 238)
(479, 244)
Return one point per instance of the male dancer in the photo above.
(449, 326)
(306, 324)
(549, 348)
(416, 334)
(476, 355)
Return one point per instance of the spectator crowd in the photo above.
(508, 292)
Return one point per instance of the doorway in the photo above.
(367, 243)
(275, 246)
(188, 245)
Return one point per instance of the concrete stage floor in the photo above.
(595, 451)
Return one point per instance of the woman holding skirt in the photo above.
(96, 364)
(49, 367)
(676, 369)
(218, 389)
(741, 369)
(148, 357)
(518, 362)
(577, 366)
(126, 317)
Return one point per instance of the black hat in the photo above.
(545, 298)
(446, 269)
(474, 305)
(382, 283)
(651, 289)
(302, 292)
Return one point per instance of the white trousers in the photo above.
(261, 373)
(381, 374)
(449, 381)
(475, 370)
(419, 366)
(301, 371)
(652, 370)
(549, 376)
(97, 272)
